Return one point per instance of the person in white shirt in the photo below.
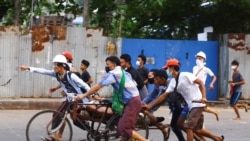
(201, 72)
(190, 120)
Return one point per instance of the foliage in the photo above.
(37, 8)
(161, 19)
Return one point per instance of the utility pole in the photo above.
(86, 13)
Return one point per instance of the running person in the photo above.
(201, 71)
(187, 87)
(236, 89)
(160, 79)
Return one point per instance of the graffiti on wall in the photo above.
(239, 42)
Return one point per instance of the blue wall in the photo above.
(184, 51)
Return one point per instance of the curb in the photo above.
(54, 103)
(29, 103)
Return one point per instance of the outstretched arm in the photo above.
(23, 68)
(38, 70)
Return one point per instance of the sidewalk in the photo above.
(29, 103)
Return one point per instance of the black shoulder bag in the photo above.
(175, 99)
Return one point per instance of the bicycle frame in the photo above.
(68, 110)
(65, 113)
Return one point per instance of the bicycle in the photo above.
(101, 128)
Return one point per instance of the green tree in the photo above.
(160, 19)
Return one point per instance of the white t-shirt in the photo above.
(202, 75)
(187, 88)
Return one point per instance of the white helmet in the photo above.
(59, 59)
(201, 54)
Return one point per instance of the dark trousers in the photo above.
(176, 129)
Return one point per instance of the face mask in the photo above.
(169, 73)
(199, 63)
(233, 67)
(107, 69)
(150, 80)
(137, 63)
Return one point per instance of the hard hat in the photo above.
(171, 62)
(201, 54)
(68, 55)
(59, 59)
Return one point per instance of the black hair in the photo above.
(126, 57)
(114, 60)
(70, 61)
(143, 58)
(161, 73)
(235, 62)
(85, 62)
(153, 70)
(65, 66)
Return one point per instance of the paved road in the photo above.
(13, 123)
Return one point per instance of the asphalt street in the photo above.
(13, 125)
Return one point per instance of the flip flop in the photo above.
(222, 138)
(47, 139)
(166, 135)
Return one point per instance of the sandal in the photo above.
(47, 139)
(222, 138)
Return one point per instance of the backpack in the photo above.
(175, 99)
(69, 76)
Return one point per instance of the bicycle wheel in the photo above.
(112, 133)
(111, 129)
(40, 126)
(141, 127)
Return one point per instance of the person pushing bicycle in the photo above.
(69, 82)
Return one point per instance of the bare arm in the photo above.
(51, 90)
(211, 86)
(156, 102)
(23, 68)
(202, 89)
(92, 90)
(242, 82)
(90, 81)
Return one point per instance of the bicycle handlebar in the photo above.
(71, 97)
(197, 101)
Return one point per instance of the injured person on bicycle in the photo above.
(94, 108)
